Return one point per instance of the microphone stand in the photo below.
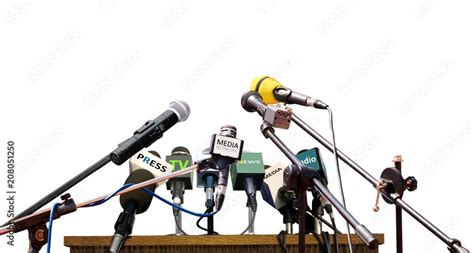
(454, 245)
(143, 137)
(61, 189)
(299, 177)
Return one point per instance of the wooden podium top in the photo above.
(203, 240)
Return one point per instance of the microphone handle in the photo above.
(250, 190)
(222, 187)
(123, 226)
(117, 242)
(151, 131)
(209, 188)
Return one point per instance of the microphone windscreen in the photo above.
(180, 150)
(140, 197)
(265, 86)
(153, 152)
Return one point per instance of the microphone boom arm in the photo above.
(363, 232)
(453, 244)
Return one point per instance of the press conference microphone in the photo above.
(273, 92)
(313, 159)
(179, 159)
(151, 131)
(134, 202)
(247, 175)
(207, 177)
(274, 194)
(152, 162)
(143, 137)
(225, 150)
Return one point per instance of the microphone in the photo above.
(278, 116)
(179, 159)
(273, 92)
(247, 175)
(274, 194)
(207, 177)
(225, 150)
(151, 161)
(151, 131)
(134, 202)
(313, 159)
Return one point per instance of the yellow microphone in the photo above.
(265, 86)
(273, 92)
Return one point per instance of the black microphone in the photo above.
(151, 131)
(273, 91)
(274, 193)
(247, 175)
(179, 159)
(134, 202)
(313, 159)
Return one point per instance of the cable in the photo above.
(50, 228)
(179, 207)
(325, 222)
(335, 233)
(282, 241)
(321, 246)
(331, 124)
(250, 224)
(203, 228)
(326, 241)
(102, 201)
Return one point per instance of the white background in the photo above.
(77, 78)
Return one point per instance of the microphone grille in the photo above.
(229, 131)
(153, 152)
(181, 108)
(180, 150)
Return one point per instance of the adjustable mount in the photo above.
(36, 223)
(298, 178)
(392, 182)
(454, 245)
(38, 236)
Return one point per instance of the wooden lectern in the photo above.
(209, 244)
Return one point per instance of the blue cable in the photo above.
(102, 201)
(179, 207)
(50, 228)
